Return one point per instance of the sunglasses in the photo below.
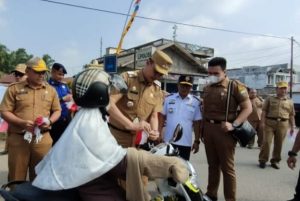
(39, 72)
(18, 74)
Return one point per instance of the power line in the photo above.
(257, 59)
(166, 21)
(264, 56)
(255, 50)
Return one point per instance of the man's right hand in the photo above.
(142, 125)
(28, 125)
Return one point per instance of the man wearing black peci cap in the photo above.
(184, 109)
(58, 72)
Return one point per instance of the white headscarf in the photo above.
(85, 151)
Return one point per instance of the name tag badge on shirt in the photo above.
(171, 110)
(129, 104)
(172, 101)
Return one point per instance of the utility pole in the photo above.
(174, 32)
(101, 47)
(291, 72)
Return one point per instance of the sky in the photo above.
(71, 36)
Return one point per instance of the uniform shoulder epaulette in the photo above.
(170, 94)
(12, 84)
(196, 98)
(156, 82)
(239, 83)
(132, 73)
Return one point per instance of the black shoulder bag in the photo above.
(244, 132)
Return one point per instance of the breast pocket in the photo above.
(24, 100)
(46, 101)
(189, 112)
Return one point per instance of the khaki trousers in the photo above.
(220, 150)
(277, 130)
(23, 155)
(259, 132)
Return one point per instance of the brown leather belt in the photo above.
(213, 121)
(277, 119)
(119, 129)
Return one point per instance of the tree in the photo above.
(48, 60)
(3, 57)
(9, 60)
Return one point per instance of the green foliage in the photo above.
(48, 60)
(9, 59)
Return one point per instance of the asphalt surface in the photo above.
(253, 183)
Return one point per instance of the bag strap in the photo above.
(228, 99)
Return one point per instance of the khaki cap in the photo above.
(282, 84)
(162, 62)
(37, 64)
(21, 68)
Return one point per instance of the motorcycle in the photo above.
(168, 189)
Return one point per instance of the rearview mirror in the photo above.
(177, 133)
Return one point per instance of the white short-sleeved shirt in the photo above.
(181, 111)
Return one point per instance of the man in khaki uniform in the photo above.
(277, 116)
(23, 102)
(138, 109)
(255, 117)
(20, 75)
(219, 144)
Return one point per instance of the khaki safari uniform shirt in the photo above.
(141, 100)
(28, 103)
(257, 104)
(215, 96)
(278, 108)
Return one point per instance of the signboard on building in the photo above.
(110, 63)
(142, 55)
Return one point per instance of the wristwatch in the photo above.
(235, 125)
(197, 141)
(292, 154)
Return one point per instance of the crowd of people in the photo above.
(34, 106)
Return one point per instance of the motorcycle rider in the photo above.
(87, 156)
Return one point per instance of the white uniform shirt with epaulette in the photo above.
(181, 111)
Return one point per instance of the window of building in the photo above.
(279, 78)
(270, 80)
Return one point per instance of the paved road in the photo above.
(254, 184)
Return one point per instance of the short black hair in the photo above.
(218, 61)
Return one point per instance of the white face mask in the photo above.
(212, 79)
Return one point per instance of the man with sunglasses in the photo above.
(20, 75)
(21, 106)
(138, 109)
(20, 72)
